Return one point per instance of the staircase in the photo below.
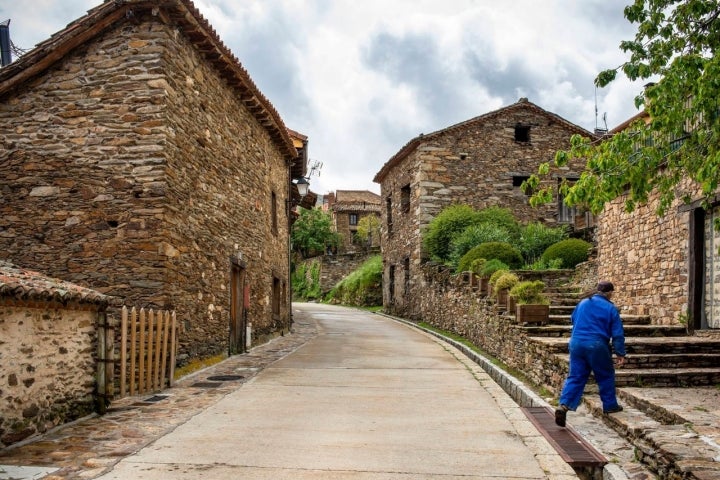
(658, 355)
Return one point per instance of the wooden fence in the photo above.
(148, 343)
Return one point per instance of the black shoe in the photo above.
(561, 416)
(613, 410)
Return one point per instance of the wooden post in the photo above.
(173, 349)
(141, 354)
(158, 350)
(133, 348)
(163, 368)
(123, 351)
(109, 360)
(150, 324)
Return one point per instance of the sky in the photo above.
(361, 78)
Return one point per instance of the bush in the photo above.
(529, 292)
(441, 230)
(503, 218)
(492, 266)
(496, 275)
(502, 251)
(363, 287)
(571, 251)
(477, 266)
(540, 264)
(535, 238)
(475, 235)
(306, 281)
(506, 281)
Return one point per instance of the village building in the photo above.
(664, 266)
(481, 162)
(348, 208)
(139, 159)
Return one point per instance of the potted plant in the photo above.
(493, 278)
(490, 267)
(532, 305)
(476, 268)
(502, 286)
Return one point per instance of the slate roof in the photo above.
(25, 284)
(356, 200)
(420, 139)
(191, 23)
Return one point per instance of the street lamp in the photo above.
(302, 186)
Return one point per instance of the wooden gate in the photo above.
(148, 343)
(711, 297)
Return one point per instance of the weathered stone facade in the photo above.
(348, 208)
(334, 268)
(480, 162)
(144, 163)
(48, 352)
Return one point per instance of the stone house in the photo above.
(665, 267)
(49, 340)
(481, 162)
(139, 159)
(348, 207)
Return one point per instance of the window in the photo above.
(565, 214)
(276, 298)
(391, 285)
(353, 218)
(273, 213)
(388, 212)
(522, 133)
(405, 199)
(517, 181)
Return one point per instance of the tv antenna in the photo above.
(600, 131)
(315, 167)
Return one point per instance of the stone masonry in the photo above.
(480, 162)
(141, 163)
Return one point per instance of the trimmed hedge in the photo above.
(502, 251)
(571, 251)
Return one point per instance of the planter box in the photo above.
(502, 298)
(511, 304)
(484, 285)
(529, 313)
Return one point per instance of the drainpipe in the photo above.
(5, 53)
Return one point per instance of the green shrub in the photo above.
(475, 235)
(441, 230)
(529, 292)
(496, 275)
(306, 281)
(506, 281)
(540, 264)
(492, 266)
(502, 251)
(363, 287)
(571, 251)
(477, 266)
(502, 217)
(536, 237)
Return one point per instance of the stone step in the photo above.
(667, 360)
(632, 330)
(643, 345)
(672, 450)
(561, 315)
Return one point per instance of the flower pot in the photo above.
(531, 313)
(502, 296)
(484, 286)
(511, 304)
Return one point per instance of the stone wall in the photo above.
(646, 257)
(130, 167)
(334, 268)
(47, 366)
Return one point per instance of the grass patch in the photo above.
(198, 364)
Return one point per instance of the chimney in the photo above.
(5, 55)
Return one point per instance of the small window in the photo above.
(405, 199)
(406, 267)
(353, 218)
(388, 212)
(276, 298)
(522, 133)
(519, 179)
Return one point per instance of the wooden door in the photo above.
(711, 300)
(238, 313)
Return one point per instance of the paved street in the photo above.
(364, 398)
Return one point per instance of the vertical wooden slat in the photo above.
(150, 324)
(173, 347)
(141, 354)
(133, 348)
(101, 364)
(158, 350)
(163, 367)
(123, 351)
(109, 360)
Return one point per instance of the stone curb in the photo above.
(516, 389)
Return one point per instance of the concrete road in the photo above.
(368, 398)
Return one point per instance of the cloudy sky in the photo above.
(361, 78)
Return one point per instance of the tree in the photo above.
(312, 233)
(368, 228)
(675, 44)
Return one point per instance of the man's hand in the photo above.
(620, 361)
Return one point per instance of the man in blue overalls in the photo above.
(596, 324)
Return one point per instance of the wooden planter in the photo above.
(529, 313)
(502, 298)
(511, 304)
(484, 285)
